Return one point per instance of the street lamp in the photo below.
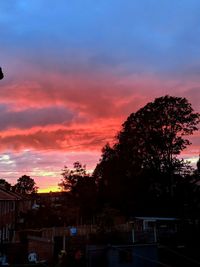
(1, 74)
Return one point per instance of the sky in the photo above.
(74, 70)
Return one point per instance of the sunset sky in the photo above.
(75, 69)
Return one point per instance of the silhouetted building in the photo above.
(7, 215)
(12, 207)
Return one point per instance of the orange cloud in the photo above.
(74, 111)
(73, 138)
(68, 114)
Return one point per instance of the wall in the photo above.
(42, 246)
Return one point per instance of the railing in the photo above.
(82, 230)
(137, 236)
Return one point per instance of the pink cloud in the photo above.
(78, 113)
(73, 138)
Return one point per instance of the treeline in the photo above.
(142, 173)
(24, 185)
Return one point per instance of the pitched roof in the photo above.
(6, 195)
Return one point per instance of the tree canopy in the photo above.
(155, 134)
(143, 164)
(25, 185)
(81, 185)
(5, 184)
(71, 177)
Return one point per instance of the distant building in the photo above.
(12, 205)
(154, 229)
(7, 215)
(53, 199)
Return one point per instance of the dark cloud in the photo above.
(33, 117)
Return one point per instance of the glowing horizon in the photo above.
(49, 190)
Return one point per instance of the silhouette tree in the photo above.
(198, 165)
(71, 177)
(83, 188)
(143, 166)
(25, 185)
(109, 175)
(154, 135)
(6, 185)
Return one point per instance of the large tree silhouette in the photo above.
(143, 164)
(25, 185)
(155, 134)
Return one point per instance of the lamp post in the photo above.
(1, 74)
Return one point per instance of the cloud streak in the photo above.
(29, 118)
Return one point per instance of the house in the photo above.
(53, 199)
(12, 205)
(7, 215)
(154, 229)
